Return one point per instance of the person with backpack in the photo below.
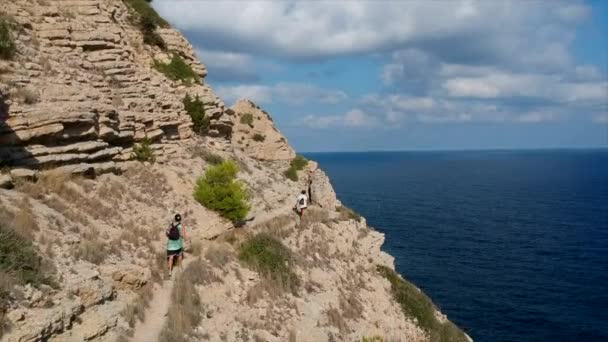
(301, 203)
(175, 244)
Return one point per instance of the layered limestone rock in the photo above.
(255, 132)
(82, 89)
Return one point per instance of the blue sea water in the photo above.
(511, 245)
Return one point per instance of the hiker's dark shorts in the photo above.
(175, 252)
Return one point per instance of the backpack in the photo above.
(173, 233)
(302, 201)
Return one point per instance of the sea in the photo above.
(511, 245)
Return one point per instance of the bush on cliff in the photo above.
(247, 119)
(414, 303)
(298, 163)
(20, 261)
(269, 257)
(8, 49)
(258, 137)
(143, 152)
(218, 190)
(147, 20)
(196, 111)
(177, 70)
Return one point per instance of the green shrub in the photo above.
(143, 152)
(414, 303)
(8, 49)
(374, 338)
(151, 37)
(218, 190)
(259, 137)
(269, 257)
(20, 259)
(213, 159)
(196, 110)
(291, 174)
(144, 10)
(177, 70)
(147, 20)
(247, 119)
(298, 163)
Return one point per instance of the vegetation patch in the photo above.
(177, 70)
(146, 18)
(186, 307)
(218, 190)
(20, 261)
(298, 163)
(416, 304)
(196, 111)
(143, 151)
(347, 213)
(269, 257)
(247, 119)
(8, 49)
(259, 137)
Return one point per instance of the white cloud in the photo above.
(258, 93)
(353, 118)
(328, 28)
(288, 93)
(550, 87)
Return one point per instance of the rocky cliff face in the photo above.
(83, 88)
(78, 95)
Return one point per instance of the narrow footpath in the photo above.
(149, 330)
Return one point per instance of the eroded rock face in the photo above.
(82, 88)
(260, 139)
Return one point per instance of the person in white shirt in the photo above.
(301, 203)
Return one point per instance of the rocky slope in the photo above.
(78, 95)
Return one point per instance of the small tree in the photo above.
(218, 190)
(143, 152)
(177, 69)
(247, 119)
(7, 44)
(196, 110)
(259, 137)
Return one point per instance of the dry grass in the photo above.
(265, 286)
(347, 213)
(350, 305)
(334, 318)
(219, 255)
(186, 307)
(24, 221)
(314, 215)
(137, 309)
(150, 182)
(92, 251)
(280, 226)
(7, 281)
(26, 96)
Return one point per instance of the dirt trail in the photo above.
(156, 315)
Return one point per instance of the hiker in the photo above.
(301, 203)
(309, 183)
(175, 245)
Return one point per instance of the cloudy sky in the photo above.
(348, 75)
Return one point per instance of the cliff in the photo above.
(85, 104)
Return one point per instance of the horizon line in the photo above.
(466, 149)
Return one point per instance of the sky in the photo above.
(347, 75)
